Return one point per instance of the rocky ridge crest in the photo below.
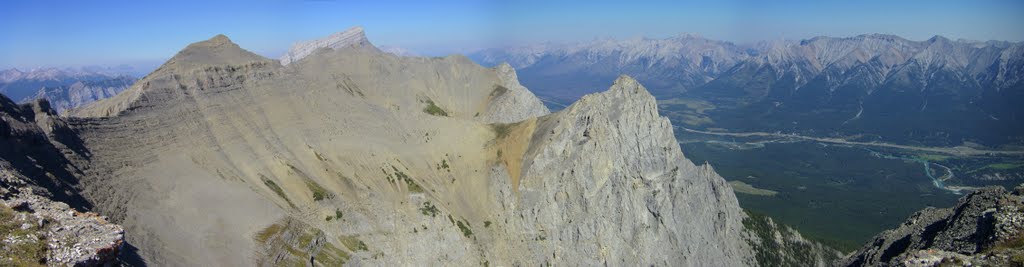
(39, 161)
(353, 37)
(985, 228)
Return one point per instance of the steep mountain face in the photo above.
(352, 155)
(354, 37)
(41, 218)
(64, 88)
(986, 228)
(937, 92)
(611, 158)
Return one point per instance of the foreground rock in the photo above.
(985, 228)
(35, 229)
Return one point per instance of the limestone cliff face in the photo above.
(511, 101)
(605, 182)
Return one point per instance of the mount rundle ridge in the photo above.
(354, 37)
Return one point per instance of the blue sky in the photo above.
(68, 33)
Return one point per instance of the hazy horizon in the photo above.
(129, 33)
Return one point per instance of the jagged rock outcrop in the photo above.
(39, 160)
(353, 37)
(35, 229)
(985, 228)
(603, 182)
(510, 101)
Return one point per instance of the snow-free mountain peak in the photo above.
(216, 63)
(218, 50)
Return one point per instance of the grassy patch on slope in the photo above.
(20, 247)
(353, 243)
(319, 193)
(277, 189)
(433, 109)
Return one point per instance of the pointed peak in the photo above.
(506, 71)
(630, 86)
(938, 39)
(218, 50)
(215, 41)
(507, 74)
(220, 39)
(624, 91)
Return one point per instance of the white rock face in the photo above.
(511, 102)
(605, 183)
(354, 37)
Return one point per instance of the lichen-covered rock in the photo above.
(984, 228)
(38, 170)
(50, 232)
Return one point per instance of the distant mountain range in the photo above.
(65, 88)
(880, 87)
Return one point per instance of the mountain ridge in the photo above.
(874, 85)
(330, 161)
(353, 37)
(65, 88)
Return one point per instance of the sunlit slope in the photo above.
(221, 157)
